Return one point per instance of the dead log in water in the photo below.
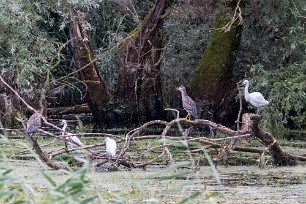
(250, 129)
(281, 158)
(42, 155)
(69, 110)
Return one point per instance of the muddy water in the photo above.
(239, 184)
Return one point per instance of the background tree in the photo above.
(139, 75)
(96, 94)
(272, 54)
(26, 50)
(213, 78)
(36, 58)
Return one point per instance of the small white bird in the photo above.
(255, 98)
(111, 146)
(75, 140)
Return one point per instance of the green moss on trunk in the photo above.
(214, 72)
(96, 94)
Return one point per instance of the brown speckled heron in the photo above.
(188, 104)
(33, 123)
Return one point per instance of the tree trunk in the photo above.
(251, 125)
(42, 155)
(96, 94)
(78, 109)
(139, 77)
(151, 88)
(212, 80)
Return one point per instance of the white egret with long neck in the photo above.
(111, 146)
(75, 141)
(254, 98)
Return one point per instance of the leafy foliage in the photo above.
(286, 89)
(9, 193)
(272, 47)
(111, 23)
(187, 32)
(25, 48)
(273, 52)
(71, 190)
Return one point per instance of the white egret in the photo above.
(255, 98)
(75, 140)
(111, 146)
(188, 104)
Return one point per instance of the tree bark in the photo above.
(69, 110)
(212, 80)
(139, 77)
(42, 155)
(279, 157)
(251, 125)
(151, 88)
(96, 94)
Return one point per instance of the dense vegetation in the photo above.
(35, 56)
(37, 60)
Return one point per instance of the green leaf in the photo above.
(88, 200)
(191, 197)
(49, 179)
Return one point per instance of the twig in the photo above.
(150, 149)
(136, 131)
(237, 18)
(177, 112)
(15, 92)
(240, 108)
(149, 162)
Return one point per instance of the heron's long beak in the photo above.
(241, 83)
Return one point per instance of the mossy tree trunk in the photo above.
(281, 158)
(139, 76)
(212, 80)
(96, 94)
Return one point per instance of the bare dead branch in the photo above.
(240, 107)
(15, 92)
(236, 20)
(177, 112)
(250, 128)
(149, 162)
(150, 149)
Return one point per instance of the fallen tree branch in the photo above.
(250, 128)
(280, 157)
(68, 110)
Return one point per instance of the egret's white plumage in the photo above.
(75, 140)
(255, 98)
(111, 146)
